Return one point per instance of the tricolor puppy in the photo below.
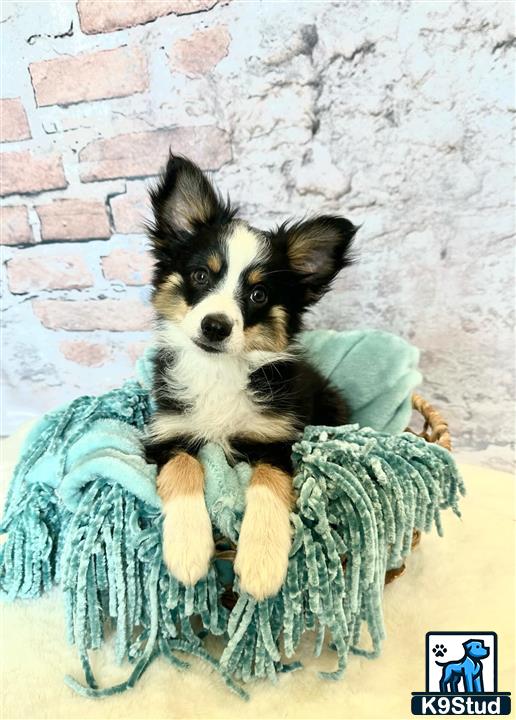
(230, 301)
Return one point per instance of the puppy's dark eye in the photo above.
(259, 295)
(200, 276)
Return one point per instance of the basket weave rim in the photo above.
(435, 429)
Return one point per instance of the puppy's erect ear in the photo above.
(184, 199)
(317, 249)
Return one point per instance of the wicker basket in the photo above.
(435, 430)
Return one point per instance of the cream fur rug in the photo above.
(464, 581)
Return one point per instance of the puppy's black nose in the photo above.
(216, 327)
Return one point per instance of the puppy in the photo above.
(230, 300)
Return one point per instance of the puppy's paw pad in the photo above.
(187, 539)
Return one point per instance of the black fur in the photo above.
(296, 388)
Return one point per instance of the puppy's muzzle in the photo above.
(216, 328)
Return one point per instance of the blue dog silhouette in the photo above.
(468, 669)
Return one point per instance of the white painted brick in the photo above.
(400, 118)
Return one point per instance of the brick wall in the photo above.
(398, 115)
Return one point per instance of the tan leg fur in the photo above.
(265, 537)
(187, 534)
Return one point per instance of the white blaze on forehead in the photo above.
(243, 248)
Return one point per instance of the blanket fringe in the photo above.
(360, 495)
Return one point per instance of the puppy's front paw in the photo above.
(187, 538)
(264, 544)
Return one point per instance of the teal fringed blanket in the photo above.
(82, 511)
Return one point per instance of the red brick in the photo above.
(91, 76)
(115, 315)
(144, 154)
(74, 220)
(23, 172)
(86, 353)
(14, 226)
(131, 209)
(49, 272)
(101, 16)
(14, 125)
(200, 53)
(130, 268)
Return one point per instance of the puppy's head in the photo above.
(224, 286)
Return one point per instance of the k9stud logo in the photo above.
(461, 676)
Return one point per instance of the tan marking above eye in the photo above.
(214, 263)
(255, 276)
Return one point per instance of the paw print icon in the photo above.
(439, 650)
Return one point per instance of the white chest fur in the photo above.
(219, 403)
